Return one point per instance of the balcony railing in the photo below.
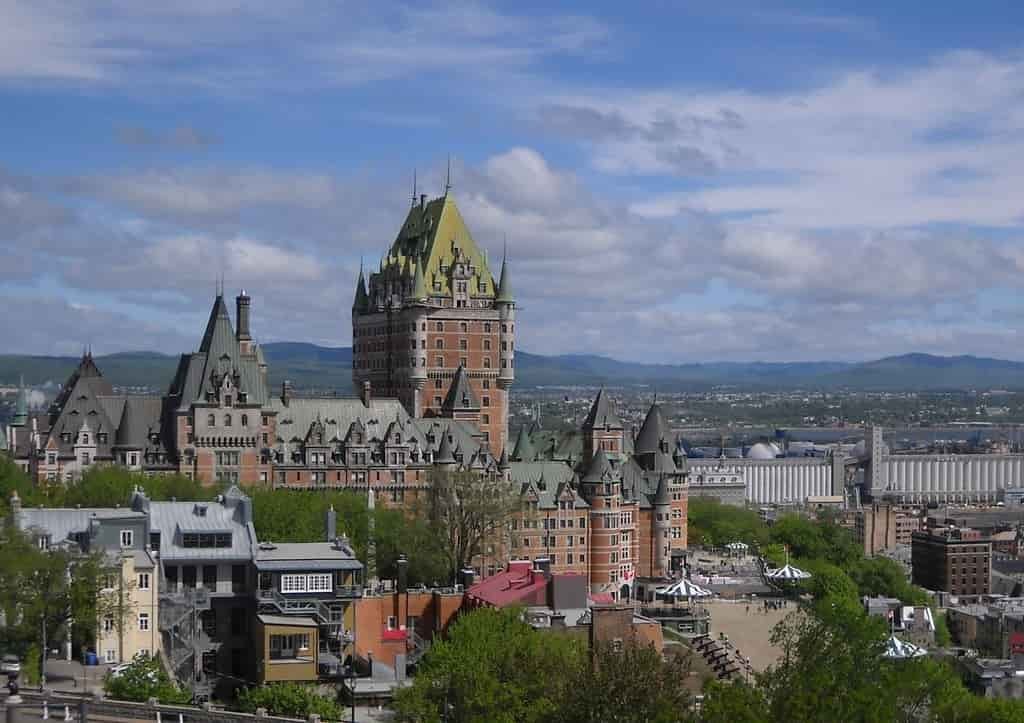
(339, 592)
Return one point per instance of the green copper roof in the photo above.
(419, 285)
(460, 395)
(523, 451)
(504, 286)
(430, 236)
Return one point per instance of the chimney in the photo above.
(242, 302)
(403, 565)
(332, 524)
(423, 200)
(366, 395)
(286, 392)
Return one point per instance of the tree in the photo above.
(46, 593)
(142, 679)
(492, 667)
(289, 699)
(631, 684)
(466, 510)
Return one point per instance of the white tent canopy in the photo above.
(900, 649)
(684, 588)
(787, 573)
(738, 546)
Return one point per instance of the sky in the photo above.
(676, 181)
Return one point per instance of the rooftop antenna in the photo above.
(448, 176)
(414, 187)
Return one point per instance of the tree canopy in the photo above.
(144, 678)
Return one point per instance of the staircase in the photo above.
(333, 636)
(419, 648)
(184, 640)
(722, 657)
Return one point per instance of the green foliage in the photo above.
(492, 667)
(31, 665)
(942, 636)
(632, 684)
(829, 581)
(110, 486)
(713, 523)
(37, 591)
(142, 679)
(289, 699)
(733, 703)
(882, 576)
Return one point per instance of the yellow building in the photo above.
(128, 617)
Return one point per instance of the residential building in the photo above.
(129, 609)
(954, 560)
(431, 309)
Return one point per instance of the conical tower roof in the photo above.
(662, 497)
(600, 466)
(219, 337)
(523, 450)
(504, 285)
(444, 452)
(602, 413)
(419, 284)
(653, 431)
(503, 460)
(362, 301)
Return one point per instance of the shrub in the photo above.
(289, 699)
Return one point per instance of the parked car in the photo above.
(10, 665)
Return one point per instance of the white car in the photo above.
(10, 665)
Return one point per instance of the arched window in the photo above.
(439, 344)
(211, 420)
(245, 420)
(487, 363)
(440, 326)
(227, 420)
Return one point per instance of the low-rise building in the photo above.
(127, 624)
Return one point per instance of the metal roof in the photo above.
(173, 519)
(296, 622)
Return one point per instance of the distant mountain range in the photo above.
(310, 366)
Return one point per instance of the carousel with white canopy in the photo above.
(684, 589)
(897, 649)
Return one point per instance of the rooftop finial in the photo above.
(448, 176)
(414, 187)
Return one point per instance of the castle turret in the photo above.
(661, 544)
(602, 429)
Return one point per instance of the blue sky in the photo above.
(687, 181)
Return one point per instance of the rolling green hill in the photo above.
(313, 367)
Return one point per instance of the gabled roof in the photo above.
(653, 431)
(362, 301)
(219, 354)
(602, 413)
(460, 394)
(139, 418)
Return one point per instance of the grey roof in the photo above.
(444, 452)
(139, 420)
(362, 300)
(602, 413)
(292, 620)
(653, 431)
(219, 353)
(460, 394)
(523, 450)
(83, 403)
(600, 468)
(550, 481)
(172, 519)
(337, 414)
(62, 523)
(305, 556)
(504, 285)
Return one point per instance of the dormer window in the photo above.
(227, 400)
(227, 420)
(85, 438)
(211, 420)
(101, 437)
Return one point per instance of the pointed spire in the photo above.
(504, 285)
(602, 413)
(419, 284)
(653, 431)
(503, 460)
(444, 452)
(448, 176)
(414, 187)
(362, 301)
(523, 450)
(460, 394)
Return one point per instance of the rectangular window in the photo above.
(143, 580)
(318, 582)
(110, 656)
(108, 623)
(143, 621)
(127, 537)
(210, 576)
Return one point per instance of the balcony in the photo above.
(340, 592)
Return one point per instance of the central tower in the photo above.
(432, 314)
